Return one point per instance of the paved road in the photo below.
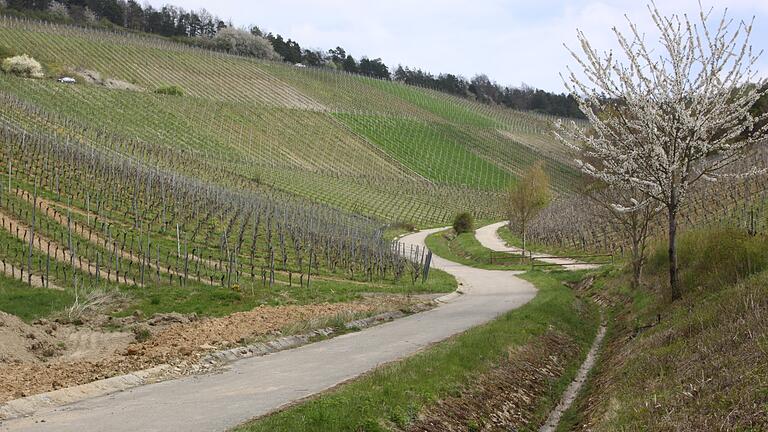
(256, 386)
(488, 236)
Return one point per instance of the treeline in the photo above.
(484, 90)
(201, 28)
(169, 21)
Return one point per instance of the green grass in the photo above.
(513, 239)
(436, 151)
(465, 249)
(28, 303)
(395, 394)
(711, 258)
(703, 364)
(221, 301)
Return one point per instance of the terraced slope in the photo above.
(382, 149)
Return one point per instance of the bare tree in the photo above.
(633, 225)
(526, 198)
(682, 112)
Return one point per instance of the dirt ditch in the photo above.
(507, 396)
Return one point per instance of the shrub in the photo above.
(463, 223)
(23, 66)
(90, 16)
(170, 90)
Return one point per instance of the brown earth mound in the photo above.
(21, 342)
(94, 77)
(179, 341)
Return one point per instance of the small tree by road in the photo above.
(463, 223)
(634, 225)
(526, 198)
(682, 111)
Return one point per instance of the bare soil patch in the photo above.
(94, 77)
(57, 355)
(21, 342)
(506, 397)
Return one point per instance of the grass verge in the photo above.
(513, 240)
(29, 303)
(18, 298)
(466, 249)
(392, 396)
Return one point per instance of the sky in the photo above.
(512, 41)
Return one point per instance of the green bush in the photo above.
(170, 90)
(463, 223)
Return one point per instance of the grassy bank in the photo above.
(512, 239)
(391, 397)
(29, 303)
(465, 249)
(694, 364)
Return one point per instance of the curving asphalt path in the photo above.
(488, 236)
(257, 386)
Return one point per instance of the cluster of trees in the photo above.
(203, 29)
(485, 90)
(170, 21)
(336, 58)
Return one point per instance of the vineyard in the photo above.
(259, 171)
(381, 149)
(731, 202)
(253, 175)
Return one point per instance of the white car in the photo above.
(67, 80)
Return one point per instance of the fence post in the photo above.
(427, 265)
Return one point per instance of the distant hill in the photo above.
(379, 148)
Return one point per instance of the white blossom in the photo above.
(662, 121)
(22, 65)
(58, 9)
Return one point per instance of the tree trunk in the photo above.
(674, 277)
(524, 228)
(637, 234)
(637, 266)
(524, 241)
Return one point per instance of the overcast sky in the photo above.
(513, 41)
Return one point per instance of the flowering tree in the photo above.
(241, 42)
(679, 114)
(23, 66)
(58, 9)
